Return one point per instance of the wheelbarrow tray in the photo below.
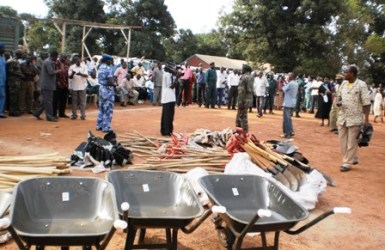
(157, 199)
(244, 195)
(63, 211)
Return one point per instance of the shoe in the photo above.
(2, 116)
(123, 105)
(74, 117)
(30, 112)
(345, 168)
(292, 134)
(271, 113)
(37, 117)
(259, 116)
(298, 116)
(52, 120)
(285, 136)
(16, 114)
(333, 130)
(82, 118)
(233, 108)
(64, 116)
(98, 129)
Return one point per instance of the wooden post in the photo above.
(84, 34)
(63, 37)
(128, 44)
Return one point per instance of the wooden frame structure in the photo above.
(61, 25)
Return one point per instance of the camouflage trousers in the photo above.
(241, 120)
(13, 94)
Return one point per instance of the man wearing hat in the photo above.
(211, 90)
(2, 80)
(334, 111)
(106, 94)
(245, 97)
(15, 78)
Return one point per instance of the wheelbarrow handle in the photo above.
(261, 213)
(206, 214)
(4, 223)
(336, 210)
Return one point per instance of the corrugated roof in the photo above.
(222, 61)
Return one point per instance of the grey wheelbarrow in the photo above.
(253, 204)
(64, 211)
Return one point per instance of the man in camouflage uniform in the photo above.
(106, 94)
(27, 87)
(245, 97)
(14, 83)
(300, 95)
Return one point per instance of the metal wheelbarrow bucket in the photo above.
(155, 199)
(249, 203)
(63, 211)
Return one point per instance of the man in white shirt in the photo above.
(260, 90)
(314, 93)
(221, 84)
(78, 84)
(139, 85)
(233, 82)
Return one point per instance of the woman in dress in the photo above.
(324, 101)
(378, 106)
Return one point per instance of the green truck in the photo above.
(10, 28)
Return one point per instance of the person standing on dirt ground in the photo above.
(78, 74)
(334, 111)
(353, 98)
(245, 97)
(157, 77)
(47, 86)
(106, 94)
(260, 90)
(290, 91)
(2, 80)
(211, 90)
(300, 95)
(61, 92)
(168, 99)
(233, 82)
(271, 92)
(15, 79)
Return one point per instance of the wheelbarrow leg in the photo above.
(39, 247)
(276, 240)
(65, 248)
(131, 233)
(142, 234)
(174, 239)
(86, 247)
(168, 238)
(264, 241)
(238, 243)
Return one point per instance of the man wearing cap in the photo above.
(106, 94)
(334, 111)
(353, 98)
(245, 97)
(211, 81)
(2, 80)
(15, 78)
(28, 86)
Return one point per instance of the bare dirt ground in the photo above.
(362, 189)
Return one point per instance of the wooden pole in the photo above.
(63, 37)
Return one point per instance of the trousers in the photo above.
(167, 119)
(348, 143)
(241, 120)
(26, 95)
(287, 122)
(233, 95)
(211, 95)
(79, 101)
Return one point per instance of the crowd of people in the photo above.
(46, 83)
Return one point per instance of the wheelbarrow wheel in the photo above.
(222, 236)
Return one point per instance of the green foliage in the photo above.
(8, 11)
(43, 35)
(86, 10)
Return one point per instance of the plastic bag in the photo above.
(308, 193)
(193, 176)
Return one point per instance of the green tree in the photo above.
(289, 34)
(86, 10)
(8, 11)
(156, 22)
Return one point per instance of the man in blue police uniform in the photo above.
(106, 94)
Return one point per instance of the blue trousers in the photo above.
(287, 122)
(106, 108)
(2, 99)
